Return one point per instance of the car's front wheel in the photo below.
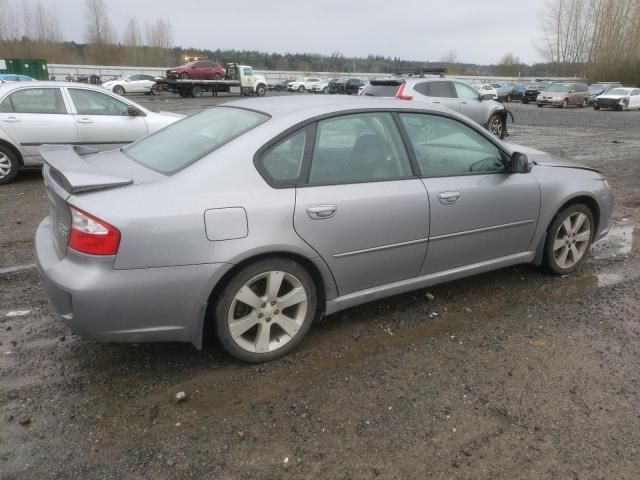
(118, 90)
(265, 310)
(497, 125)
(301, 89)
(568, 239)
(9, 165)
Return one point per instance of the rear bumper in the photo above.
(139, 305)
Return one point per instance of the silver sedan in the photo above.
(252, 219)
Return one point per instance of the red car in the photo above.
(198, 70)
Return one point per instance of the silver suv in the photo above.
(453, 94)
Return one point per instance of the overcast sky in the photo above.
(478, 31)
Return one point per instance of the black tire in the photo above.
(508, 98)
(584, 103)
(196, 91)
(183, 92)
(155, 89)
(497, 125)
(261, 90)
(8, 156)
(301, 89)
(325, 90)
(540, 105)
(525, 101)
(564, 103)
(596, 106)
(118, 90)
(225, 301)
(548, 259)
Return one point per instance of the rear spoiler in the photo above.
(392, 82)
(75, 174)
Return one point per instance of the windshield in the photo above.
(596, 89)
(187, 141)
(619, 91)
(383, 90)
(558, 88)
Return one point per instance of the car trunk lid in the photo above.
(74, 170)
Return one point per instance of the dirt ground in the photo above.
(512, 374)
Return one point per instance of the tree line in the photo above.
(597, 39)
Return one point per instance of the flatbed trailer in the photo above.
(239, 80)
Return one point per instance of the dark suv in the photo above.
(346, 85)
(532, 91)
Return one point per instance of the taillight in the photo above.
(400, 96)
(91, 235)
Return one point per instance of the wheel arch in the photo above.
(207, 326)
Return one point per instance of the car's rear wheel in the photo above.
(596, 107)
(118, 90)
(584, 103)
(497, 125)
(196, 91)
(9, 165)
(568, 239)
(265, 310)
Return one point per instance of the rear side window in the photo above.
(357, 148)
(282, 163)
(5, 106)
(187, 141)
(381, 90)
(38, 100)
(435, 89)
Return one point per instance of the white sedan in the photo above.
(486, 89)
(619, 99)
(133, 84)
(35, 113)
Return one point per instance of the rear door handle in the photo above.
(11, 120)
(320, 212)
(447, 198)
(85, 120)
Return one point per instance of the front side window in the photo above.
(88, 102)
(187, 141)
(465, 91)
(38, 100)
(283, 162)
(356, 148)
(445, 147)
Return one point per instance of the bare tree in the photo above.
(99, 30)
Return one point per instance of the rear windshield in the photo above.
(187, 141)
(380, 90)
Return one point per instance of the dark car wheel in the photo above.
(497, 125)
(118, 90)
(564, 103)
(9, 165)
(184, 76)
(301, 89)
(508, 98)
(265, 310)
(196, 91)
(584, 103)
(524, 100)
(568, 239)
(261, 90)
(596, 107)
(155, 89)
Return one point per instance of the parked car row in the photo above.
(349, 86)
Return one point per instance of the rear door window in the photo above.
(358, 147)
(38, 100)
(6, 106)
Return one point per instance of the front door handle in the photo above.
(11, 120)
(85, 120)
(320, 212)
(448, 198)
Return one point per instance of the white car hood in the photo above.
(613, 97)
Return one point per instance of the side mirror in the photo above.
(133, 111)
(520, 163)
(486, 96)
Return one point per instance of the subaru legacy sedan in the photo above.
(252, 219)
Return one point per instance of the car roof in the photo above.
(15, 85)
(301, 108)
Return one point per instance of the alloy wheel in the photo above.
(267, 312)
(496, 127)
(571, 240)
(5, 165)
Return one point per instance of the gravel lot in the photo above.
(512, 374)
